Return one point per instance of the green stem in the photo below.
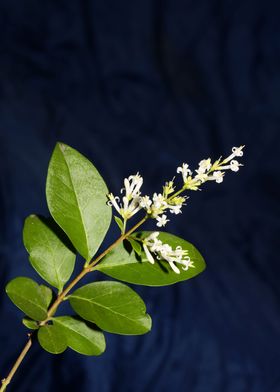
(61, 297)
(124, 226)
(177, 193)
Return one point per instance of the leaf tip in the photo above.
(62, 146)
(6, 288)
(149, 322)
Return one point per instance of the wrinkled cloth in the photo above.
(144, 86)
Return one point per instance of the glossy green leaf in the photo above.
(48, 253)
(52, 339)
(28, 297)
(124, 264)
(136, 246)
(84, 338)
(77, 199)
(47, 294)
(119, 222)
(113, 306)
(29, 323)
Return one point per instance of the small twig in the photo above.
(25, 350)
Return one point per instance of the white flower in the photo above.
(113, 201)
(236, 152)
(234, 165)
(217, 176)
(127, 208)
(158, 205)
(178, 256)
(184, 169)
(174, 266)
(177, 209)
(145, 202)
(176, 203)
(202, 177)
(162, 220)
(187, 263)
(132, 186)
(152, 237)
(148, 254)
(204, 166)
(159, 201)
(130, 208)
(131, 200)
(152, 241)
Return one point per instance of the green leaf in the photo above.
(113, 306)
(135, 245)
(77, 199)
(119, 222)
(80, 336)
(47, 294)
(29, 323)
(48, 253)
(28, 297)
(123, 264)
(52, 339)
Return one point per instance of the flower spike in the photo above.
(170, 200)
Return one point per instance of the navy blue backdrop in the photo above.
(144, 86)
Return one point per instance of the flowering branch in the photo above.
(81, 210)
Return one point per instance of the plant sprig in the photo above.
(81, 211)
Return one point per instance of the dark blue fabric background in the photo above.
(144, 86)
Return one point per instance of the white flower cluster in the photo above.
(169, 200)
(208, 171)
(152, 244)
(131, 201)
(161, 202)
